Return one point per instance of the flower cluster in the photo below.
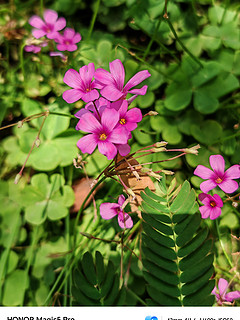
(106, 119)
(216, 177)
(49, 28)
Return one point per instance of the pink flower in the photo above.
(83, 86)
(129, 118)
(113, 81)
(49, 27)
(218, 177)
(221, 294)
(104, 134)
(32, 48)
(212, 206)
(109, 210)
(67, 41)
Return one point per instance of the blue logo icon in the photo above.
(151, 318)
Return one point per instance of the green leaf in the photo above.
(177, 97)
(95, 285)
(177, 272)
(14, 288)
(208, 132)
(204, 101)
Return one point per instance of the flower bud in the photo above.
(17, 178)
(192, 150)
(158, 149)
(37, 142)
(131, 193)
(167, 172)
(152, 113)
(20, 124)
(160, 144)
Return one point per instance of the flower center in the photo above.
(218, 180)
(103, 137)
(213, 204)
(122, 121)
(67, 43)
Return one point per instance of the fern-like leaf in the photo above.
(95, 284)
(176, 252)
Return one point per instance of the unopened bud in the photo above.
(145, 170)
(235, 204)
(158, 149)
(152, 113)
(131, 193)
(154, 175)
(160, 144)
(193, 150)
(167, 172)
(37, 142)
(20, 124)
(17, 178)
(85, 234)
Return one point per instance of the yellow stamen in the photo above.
(218, 180)
(103, 137)
(212, 204)
(122, 121)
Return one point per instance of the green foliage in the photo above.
(177, 258)
(95, 284)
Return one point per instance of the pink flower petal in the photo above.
(118, 73)
(50, 16)
(108, 210)
(142, 91)
(69, 33)
(111, 93)
(222, 286)
(87, 73)
(109, 118)
(107, 149)
(77, 38)
(72, 79)
(90, 95)
(72, 95)
(136, 79)
(36, 22)
(123, 149)
(228, 186)
(61, 47)
(215, 213)
(119, 135)
(130, 126)
(205, 198)
(218, 200)
(218, 164)
(38, 33)
(134, 115)
(124, 220)
(232, 296)
(60, 24)
(205, 212)
(88, 143)
(103, 77)
(88, 123)
(121, 106)
(121, 199)
(203, 172)
(208, 185)
(71, 47)
(233, 172)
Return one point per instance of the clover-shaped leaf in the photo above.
(52, 198)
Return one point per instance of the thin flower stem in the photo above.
(136, 297)
(94, 17)
(222, 246)
(33, 145)
(181, 43)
